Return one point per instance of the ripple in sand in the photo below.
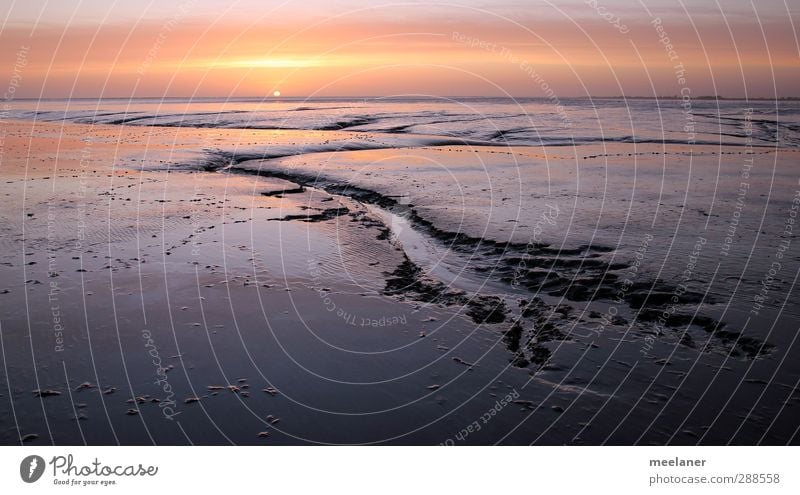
(465, 363)
(46, 393)
(84, 386)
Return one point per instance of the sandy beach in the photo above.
(165, 285)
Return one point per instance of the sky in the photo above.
(154, 48)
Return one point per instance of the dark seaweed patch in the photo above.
(327, 214)
(281, 192)
(408, 280)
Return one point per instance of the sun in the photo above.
(276, 93)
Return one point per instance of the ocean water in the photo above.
(637, 255)
(525, 121)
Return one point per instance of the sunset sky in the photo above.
(305, 48)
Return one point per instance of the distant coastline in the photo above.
(403, 97)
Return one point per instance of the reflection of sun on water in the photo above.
(276, 93)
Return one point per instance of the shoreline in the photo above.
(230, 285)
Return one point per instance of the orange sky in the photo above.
(568, 47)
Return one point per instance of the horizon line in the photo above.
(407, 96)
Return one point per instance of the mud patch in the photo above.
(324, 215)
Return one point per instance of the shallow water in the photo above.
(524, 121)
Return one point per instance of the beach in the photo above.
(169, 283)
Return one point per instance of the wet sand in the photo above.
(164, 285)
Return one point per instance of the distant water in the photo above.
(527, 121)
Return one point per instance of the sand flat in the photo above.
(149, 262)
